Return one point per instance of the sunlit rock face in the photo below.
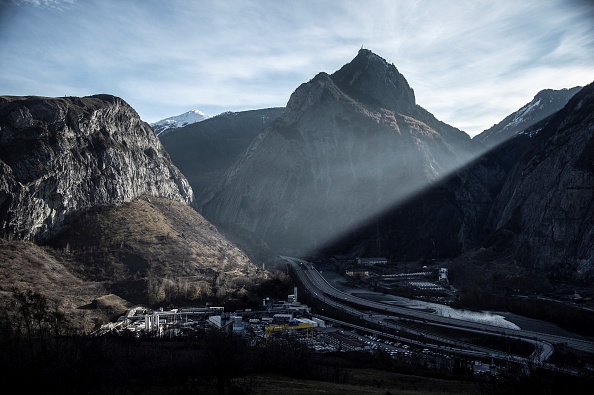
(59, 156)
(349, 146)
(548, 198)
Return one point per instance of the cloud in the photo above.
(469, 62)
(55, 4)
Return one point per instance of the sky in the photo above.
(470, 62)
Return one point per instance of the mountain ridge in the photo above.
(165, 125)
(554, 228)
(204, 150)
(544, 104)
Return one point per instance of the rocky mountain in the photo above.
(533, 229)
(94, 213)
(545, 103)
(349, 146)
(147, 251)
(59, 156)
(164, 126)
(547, 200)
(203, 151)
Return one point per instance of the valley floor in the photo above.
(500, 318)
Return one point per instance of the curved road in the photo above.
(319, 287)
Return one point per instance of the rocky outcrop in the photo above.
(548, 198)
(349, 146)
(59, 156)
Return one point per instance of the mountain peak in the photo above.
(370, 56)
(544, 104)
(165, 125)
(370, 79)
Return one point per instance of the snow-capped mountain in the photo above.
(165, 125)
(544, 104)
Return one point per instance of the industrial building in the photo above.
(142, 321)
(290, 306)
(371, 261)
(357, 273)
(291, 326)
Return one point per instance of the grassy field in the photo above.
(361, 382)
(365, 382)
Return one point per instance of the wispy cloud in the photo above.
(55, 4)
(471, 63)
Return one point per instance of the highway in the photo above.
(321, 289)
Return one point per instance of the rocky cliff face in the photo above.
(548, 198)
(348, 147)
(59, 156)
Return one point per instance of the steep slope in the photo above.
(147, 251)
(547, 200)
(59, 156)
(154, 249)
(349, 146)
(25, 266)
(545, 103)
(203, 151)
(166, 125)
